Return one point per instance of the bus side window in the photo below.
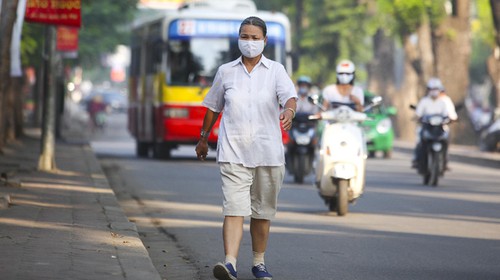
(158, 56)
(153, 57)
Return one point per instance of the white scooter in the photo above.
(341, 162)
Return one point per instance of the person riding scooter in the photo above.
(434, 103)
(341, 164)
(303, 139)
(304, 85)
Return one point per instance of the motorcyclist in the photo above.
(435, 102)
(304, 109)
(304, 85)
(344, 90)
(96, 110)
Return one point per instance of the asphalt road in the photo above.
(399, 229)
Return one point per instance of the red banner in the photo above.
(67, 39)
(57, 12)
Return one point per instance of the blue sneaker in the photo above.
(225, 271)
(260, 272)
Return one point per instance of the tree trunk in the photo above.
(494, 60)
(46, 161)
(19, 89)
(10, 133)
(418, 67)
(408, 93)
(427, 58)
(299, 8)
(453, 48)
(7, 20)
(493, 64)
(381, 68)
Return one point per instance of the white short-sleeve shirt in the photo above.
(450, 107)
(430, 106)
(332, 94)
(250, 133)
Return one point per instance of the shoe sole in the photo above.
(222, 273)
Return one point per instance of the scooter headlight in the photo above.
(436, 120)
(437, 146)
(301, 138)
(384, 126)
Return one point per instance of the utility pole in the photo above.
(46, 161)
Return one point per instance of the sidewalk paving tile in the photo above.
(65, 224)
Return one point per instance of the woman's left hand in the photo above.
(286, 118)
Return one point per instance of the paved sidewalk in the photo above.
(65, 224)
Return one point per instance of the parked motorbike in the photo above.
(433, 149)
(341, 163)
(301, 148)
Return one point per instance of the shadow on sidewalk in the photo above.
(64, 224)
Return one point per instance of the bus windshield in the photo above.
(194, 61)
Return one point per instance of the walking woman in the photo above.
(256, 94)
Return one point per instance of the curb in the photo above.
(133, 256)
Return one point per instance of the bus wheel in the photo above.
(161, 151)
(141, 149)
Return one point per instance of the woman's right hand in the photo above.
(202, 149)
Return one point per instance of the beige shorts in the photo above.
(251, 191)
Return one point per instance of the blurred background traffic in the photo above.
(396, 46)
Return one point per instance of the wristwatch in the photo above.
(204, 134)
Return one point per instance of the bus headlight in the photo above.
(177, 113)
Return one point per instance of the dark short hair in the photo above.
(254, 21)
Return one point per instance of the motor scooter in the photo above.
(490, 135)
(301, 147)
(431, 155)
(341, 162)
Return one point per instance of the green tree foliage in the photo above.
(332, 30)
(483, 40)
(32, 39)
(275, 5)
(104, 26)
(335, 30)
(404, 17)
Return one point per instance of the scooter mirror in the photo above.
(377, 100)
(314, 99)
(374, 102)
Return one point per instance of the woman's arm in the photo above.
(208, 122)
(288, 113)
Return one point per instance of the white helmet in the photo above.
(345, 71)
(435, 83)
(345, 66)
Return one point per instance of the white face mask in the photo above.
(345, 78)
(250, 48)
(303, 90)
(434, 93)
